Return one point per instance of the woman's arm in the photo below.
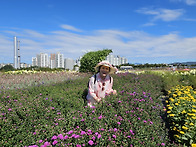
(92, 89)
(110, 90)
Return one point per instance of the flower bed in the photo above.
(57, 115)
(181, 107)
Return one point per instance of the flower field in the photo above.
(181, 112)
(54, 112)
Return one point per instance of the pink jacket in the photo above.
(98, 89)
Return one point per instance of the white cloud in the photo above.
(188, 2)
(68, 27)
(162, 14)
(128, 44)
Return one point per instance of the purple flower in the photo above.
(131, 132)
(114, 136)
(89, 131)
(83, 133)
(66, 137)
(54, 142)
(40, 141)
(70, 132)
(100, 117)
(82, 119)
(145, 121)
(77, 136)
(46, 143)
(9, 109)
(163, 144)
(54, 137)
(118, 123)
(115, 129)
(93, 138)
(60, 136)
(99, 136)
(78, 145)
(90, 142)
(73, 135)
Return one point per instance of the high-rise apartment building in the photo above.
(42, 60)
(116, 60)
(59, 59)
(34, 61)
(52, 61)
(69, 63)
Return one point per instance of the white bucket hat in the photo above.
(106, 63)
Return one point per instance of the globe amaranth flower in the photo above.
(60, 136)
(90, 142)
(83, 133)
(54, 142)
(54, 137)
(100, 117)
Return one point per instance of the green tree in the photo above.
(90, 60)
(7, 68)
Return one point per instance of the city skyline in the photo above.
(145, 31)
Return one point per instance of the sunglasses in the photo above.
(103, 86)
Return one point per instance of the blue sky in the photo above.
(143, 31)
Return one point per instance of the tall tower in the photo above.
(15, 53)
(18, 54)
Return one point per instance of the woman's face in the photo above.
(104, 71)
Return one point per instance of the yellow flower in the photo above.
(171, 99)
(179, 93)
(174, 95)
(176, 104)
(170, 107)
(183, 112)
(193, 145)
(181, 132)
(193, 110)
(166, 101)
(185, 128)
(177, 136)
(191, 114)
(171, 114)
(194, 106)
(193, 117)
(191, 124)
(174, 128)
(168, 111)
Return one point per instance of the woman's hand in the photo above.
(97, 99)
(114, 92)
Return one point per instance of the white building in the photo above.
(34, 61)
(42, 60)
(59, 59)
(52, 61)
(116, 60)
(69, 63)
